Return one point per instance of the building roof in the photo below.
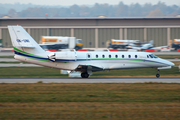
(92, 22)
(87, 18)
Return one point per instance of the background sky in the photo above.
(88, 2)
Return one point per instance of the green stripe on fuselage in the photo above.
(16, 49)
(25, 52)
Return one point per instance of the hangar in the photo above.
(96, 31)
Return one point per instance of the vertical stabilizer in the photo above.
(22, 41)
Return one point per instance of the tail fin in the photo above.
(22, 41)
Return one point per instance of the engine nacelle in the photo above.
(67, 56)
(52, 57)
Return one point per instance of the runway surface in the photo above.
(90, 80)
(18, 65)
(6, 54)
(8, 60)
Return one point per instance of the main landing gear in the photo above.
(84, 75)
(158, 75)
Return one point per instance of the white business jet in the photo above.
(27, 50)
(141, 47)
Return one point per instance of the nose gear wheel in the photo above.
(158, 75)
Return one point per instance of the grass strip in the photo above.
(124, 93)
(100, 101)
(89, 111)
(6, 56)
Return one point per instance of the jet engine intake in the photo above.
(52, 57)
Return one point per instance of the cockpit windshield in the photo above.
(152, 56)
(79, 40)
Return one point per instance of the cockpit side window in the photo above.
(154, 56)
(147, 56)
(151, 56)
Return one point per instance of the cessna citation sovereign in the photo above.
(27, 50)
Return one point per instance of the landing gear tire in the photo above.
(157, 75)
(84, 75)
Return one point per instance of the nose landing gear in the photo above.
(158, 75)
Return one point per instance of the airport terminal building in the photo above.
(95, 32)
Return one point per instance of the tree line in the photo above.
(120, 10)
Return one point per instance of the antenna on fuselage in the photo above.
(75, 53)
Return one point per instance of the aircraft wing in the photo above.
(136, 48)
(88, 67)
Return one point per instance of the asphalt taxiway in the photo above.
(90, 80)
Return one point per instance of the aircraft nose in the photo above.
(170, 63)
(167, 63)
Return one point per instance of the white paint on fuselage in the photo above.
(106, 63)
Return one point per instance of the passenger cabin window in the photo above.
(103, 56)
(116, 56)
(135, 56)
(96, 56)
(129, 56)
(109, 56)
(122, 56)
(89, 56)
